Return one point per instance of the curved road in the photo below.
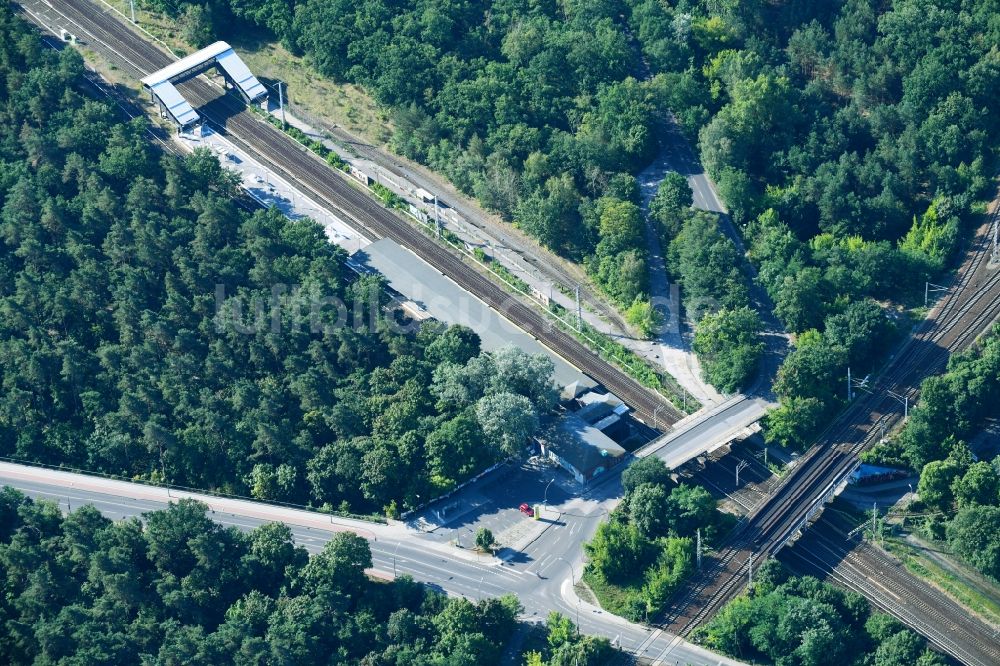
(541, 585)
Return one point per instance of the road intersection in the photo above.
(540, 575)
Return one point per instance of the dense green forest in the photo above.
(535, 108)
(639, 557)
(792, 621)
(960, 493)
(178, 588)
(150, 327)
(851, 141)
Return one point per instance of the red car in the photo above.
(526, 509)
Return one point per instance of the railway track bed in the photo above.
(969, 308)
(294, 163)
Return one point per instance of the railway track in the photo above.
(954, 323)
(874, 574)
(539, 258)
(286, 157)
(970, 306)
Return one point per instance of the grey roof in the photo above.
(241, 75)
(571, 391)
(417, 280)
(174, 102)
(582, 445)
(608, 421)
(592, 397)
(220, 53)
(596, 406)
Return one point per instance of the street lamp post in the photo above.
(545, 495)
(572, 580)
(396, 550)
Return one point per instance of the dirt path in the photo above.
(966, 576)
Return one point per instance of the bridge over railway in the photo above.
(161, 84)
(970, 307)
(954, 322)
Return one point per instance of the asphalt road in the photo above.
(683, 160)
(706, 431)
(539, 577)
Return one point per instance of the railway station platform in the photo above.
(444, 300)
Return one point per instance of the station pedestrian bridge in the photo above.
(221, 56)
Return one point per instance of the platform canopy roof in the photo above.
(176, 105)
(220, 54)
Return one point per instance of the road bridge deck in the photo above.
(707, 431)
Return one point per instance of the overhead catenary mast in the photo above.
(579, 310)
(437, 217)
(996, 237)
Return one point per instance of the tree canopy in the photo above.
(961, 494)
(642, 554)
(805, 622)
(176, 587)
(852, 163)
(728, 345)
(151, 328)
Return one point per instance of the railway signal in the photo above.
(996, 238)
(876, 532)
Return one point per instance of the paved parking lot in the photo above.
(493, 503)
